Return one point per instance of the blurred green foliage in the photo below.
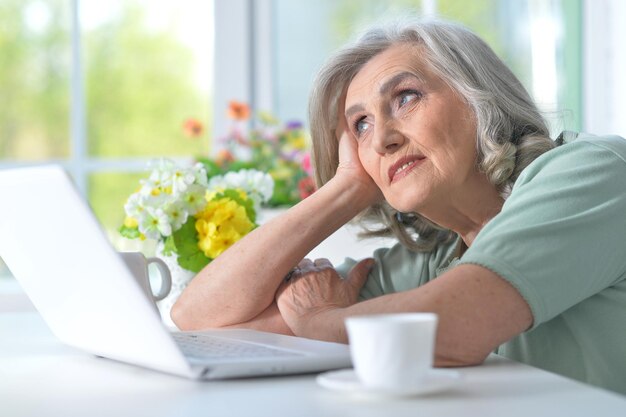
(34, 83)
(139, 89)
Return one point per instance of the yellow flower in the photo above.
(268, 118)
(130, 222)
(282, 171)
(222, 223)
(296, 139)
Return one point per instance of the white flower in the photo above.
(181, 179)
(167, 198)
(193, 200)
(135, 205)
(154, 223)
(162, 172)
(150, 187)
(176, 214)
(258, 185)
(199, 172)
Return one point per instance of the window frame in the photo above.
(604, 64)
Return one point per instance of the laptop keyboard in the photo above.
(211, 347)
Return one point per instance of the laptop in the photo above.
(57, 250)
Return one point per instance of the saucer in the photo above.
(345, 380)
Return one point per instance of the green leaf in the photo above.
(239, 165)
(169, 246)
(194, 262)
(185, 242)
(212, 168)
(129, 232)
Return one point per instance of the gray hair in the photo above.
(510, 134)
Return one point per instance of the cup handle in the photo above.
(166, 278)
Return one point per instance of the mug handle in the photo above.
(166, 278)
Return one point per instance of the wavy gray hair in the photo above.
(510, 134)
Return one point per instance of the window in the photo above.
(102, 88)
(537, 40)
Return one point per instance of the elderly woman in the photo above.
(519, 245)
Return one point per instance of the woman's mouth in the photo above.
(403, 166)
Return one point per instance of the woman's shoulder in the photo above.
(611, 143)
(578, 151)
(572, 143)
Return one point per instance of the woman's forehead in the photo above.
(391, 63)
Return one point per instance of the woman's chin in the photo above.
(407, 200)
(403, 208)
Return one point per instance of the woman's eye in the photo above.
(408, 96)
(360, 126)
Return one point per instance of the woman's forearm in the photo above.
(269, 320)
(477, 309)
(241, 283)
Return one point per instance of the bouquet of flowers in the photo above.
(194, 216)
(279, 150)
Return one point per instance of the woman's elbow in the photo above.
(182, 316)
(188, 316)
(459, 358)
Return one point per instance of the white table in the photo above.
(41, 377)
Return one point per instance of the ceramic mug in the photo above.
(139, 265)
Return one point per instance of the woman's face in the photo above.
(416, 137)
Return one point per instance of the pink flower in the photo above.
(306, 164)
(306, 186)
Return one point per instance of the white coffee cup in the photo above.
(139, 265)
(392, 351)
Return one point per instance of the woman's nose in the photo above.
(387, 139)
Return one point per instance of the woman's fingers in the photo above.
(359, 273)
(305, 265)
(348, 153)
(323, 263)
(350, 166)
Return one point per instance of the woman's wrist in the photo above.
(355, 194)
(325, 325)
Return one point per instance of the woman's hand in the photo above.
(350, 166)
(313, 295)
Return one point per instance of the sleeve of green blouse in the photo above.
(561, 235)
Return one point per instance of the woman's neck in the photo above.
(467, 211)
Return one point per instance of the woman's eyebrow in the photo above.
(385, 88)
(354, 109)
(395, 80)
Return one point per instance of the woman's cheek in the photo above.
(370, 163)
(365, 157)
